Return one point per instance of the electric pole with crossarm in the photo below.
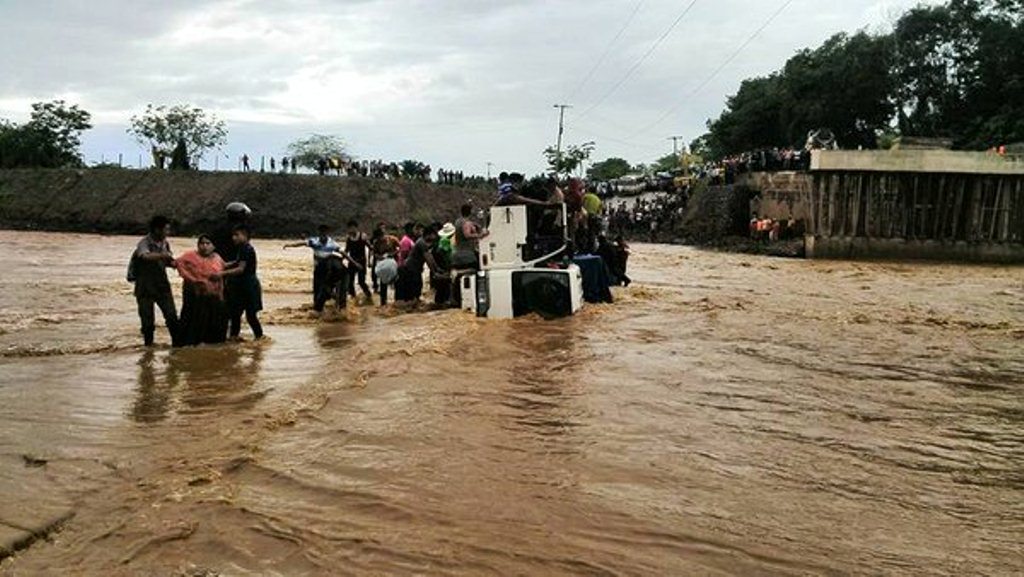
(675, 143)
(561, 126)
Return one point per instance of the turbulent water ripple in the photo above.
(728, 415)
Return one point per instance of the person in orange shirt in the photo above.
(203, 315)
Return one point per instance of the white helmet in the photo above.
(239, 208)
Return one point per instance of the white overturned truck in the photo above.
(524, 266)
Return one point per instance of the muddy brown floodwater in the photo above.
(728, 415)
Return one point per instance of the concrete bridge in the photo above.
(916, 204)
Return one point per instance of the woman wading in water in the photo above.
(203, 315)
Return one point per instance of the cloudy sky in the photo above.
(456, 83)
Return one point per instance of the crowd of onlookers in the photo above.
(647, 217)
(409, 170)
(724, 171)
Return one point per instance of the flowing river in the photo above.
(728, 415)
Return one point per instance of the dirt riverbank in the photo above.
(121, 201)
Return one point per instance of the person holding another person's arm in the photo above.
(243, 286)
(409, 286)
(406, 244)
(468, 234)
(148, 270)
(328, 272)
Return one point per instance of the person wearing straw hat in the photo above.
(441, 282)
(445, 235)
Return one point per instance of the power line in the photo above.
(639, 62)
(607, 51)
(610, 139)
(716, 72)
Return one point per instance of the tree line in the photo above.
(953, 71)
(50, 138)
(178, 137)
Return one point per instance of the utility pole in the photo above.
(675, 143)
(489, 165)
(561, 126)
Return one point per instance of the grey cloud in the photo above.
(456, 82)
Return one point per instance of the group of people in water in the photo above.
(221, 283)
(395, 266)
(219, 279)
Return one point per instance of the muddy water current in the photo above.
(729, 415)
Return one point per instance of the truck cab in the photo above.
(525, 266)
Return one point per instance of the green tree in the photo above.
(667, 163)
(308, 151)
(960, 71)
(609, 169)
(569, 160)
(703, 146)
(751, 118)
(62, 124)
(162, 128)
(414, 169)
(50, 139)
(845, 85)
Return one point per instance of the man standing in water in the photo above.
(408, 241)
(409, 287)
(243, 286)
(467, 240)
(238, 213)
(149, 266)
(328, 271)
(357, 249)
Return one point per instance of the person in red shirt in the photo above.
(408, 241)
